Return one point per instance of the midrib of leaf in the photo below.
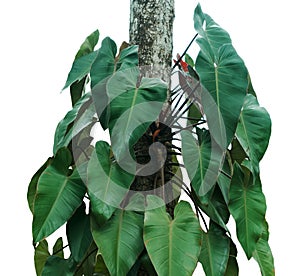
(246, 216)
(56, 199)
(107, 183)
(119, 240)
(170, 247)
(210, 255)
(216, 66)
(131, 107)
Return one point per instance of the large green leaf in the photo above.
(247, 206)
(263, 256)
(59, 193)
(79, 233)
(215, 250)
(209, 30)
(107, 182)
(133, 107)
(120, 241)
(31, 193)
(203, 159)
(77, 88)
(223, 73)
(41, 255)
(254, 130)
(173, 245)
(106, 63)
(79, 117)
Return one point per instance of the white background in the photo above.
(38, 42)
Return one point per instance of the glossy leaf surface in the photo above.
(59, 193)
(215, 250)
(120, 241)
(107, 182)
(254, 130)
(168, 241)
(247, 206)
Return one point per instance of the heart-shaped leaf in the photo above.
(168, 241)
(120, 240)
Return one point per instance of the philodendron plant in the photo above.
(206, 134)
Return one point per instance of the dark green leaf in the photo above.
(79, 233)
(59, 193)
(107, 182)
(254, 130)
(132, 105)
(41, 255)
(75, 121)
(80, 68)
(78, 87)
(203, 159)
(232, 265)
(263, 255)
(168, 241)
(120, 241)
(31, 193)
(58, 267)
(215, 251)
(247, 206)
(225, 82)
(237, 153)
(88, 45)
(58, 248)
(106, 63)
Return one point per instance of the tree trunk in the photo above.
(151, 28)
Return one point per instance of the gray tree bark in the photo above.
(151, 27)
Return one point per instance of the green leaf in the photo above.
(88, 45)
(58, 266)
(75, 121)
(31, 193)
(254, 130)
(203, 158)
(59, 193)
(106, 63)
(247, 206)
(209, 30)
(77, 88)
(263, 256)
(189, 60)
(79, 233)
(107, 182)
(80, 68)
(58, 248)
(232, 265)
(223, 74)
(237, 152)
(133, 107)
(215, 250)
(224, 78)
(120, 241)
(168, 241)
(41, 254)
